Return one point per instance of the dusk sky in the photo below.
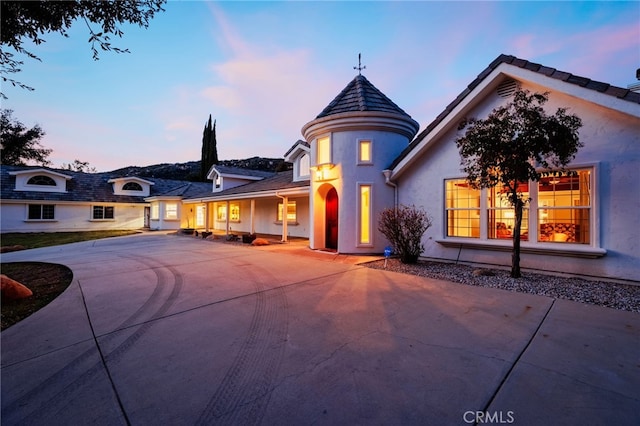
(264, 69)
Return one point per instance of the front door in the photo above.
(331, 215)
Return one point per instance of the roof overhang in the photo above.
(40, 171)
(130, 179)
(469, 98)
(288, 192)
(361, 120)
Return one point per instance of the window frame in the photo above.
(361, 161)
(104, 209)
(531, 219)
(326, 150)
(168, 212)
(279, 213)
(360, 214)
(45, 209)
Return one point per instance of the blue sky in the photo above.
(264, 69)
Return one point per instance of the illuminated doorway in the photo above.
(331, 219)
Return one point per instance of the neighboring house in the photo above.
(361, 155)
(40, 199)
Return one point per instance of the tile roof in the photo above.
(93, 187)
(240, 171)
(618, 92)
(361, 95)
(279, 181)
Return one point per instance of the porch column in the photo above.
(227, 217)
(285, 203)
(253, 222)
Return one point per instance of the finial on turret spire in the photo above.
(360, 67)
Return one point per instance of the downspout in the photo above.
(285, 201)
(387, 180)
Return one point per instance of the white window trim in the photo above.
(358, 227)
(359, 161)
(93, 219)
(591, 250)
(317, 150)
(40, 220)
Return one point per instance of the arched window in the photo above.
(41, 180)
(132, 186)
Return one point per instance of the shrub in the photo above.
(404, 227)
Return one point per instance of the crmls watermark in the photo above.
(483, 417)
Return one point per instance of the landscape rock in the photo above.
(260, 242)
(13, 290)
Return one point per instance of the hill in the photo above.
(191, 170)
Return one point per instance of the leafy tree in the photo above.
(518, 142)
(404, 226)
(209, 149)
(79, 166)
(19, 144)
(30, 20)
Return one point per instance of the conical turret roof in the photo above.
(361, 95)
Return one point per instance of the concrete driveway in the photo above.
(164, 329)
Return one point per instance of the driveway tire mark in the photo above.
(79, 364)
(243, 394)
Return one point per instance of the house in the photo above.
(41, 199)
(363, 154)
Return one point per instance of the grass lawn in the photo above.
(45, 280)
(30, 240)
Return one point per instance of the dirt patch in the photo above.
(45, 280)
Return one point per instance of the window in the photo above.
(218, 181)
(155, 211)
(564, 208)
(502, 214)
(200, 216)
(462, 209)
(221, 213)
(365, 214)
(323, 151)
(41, 212)
(41, 180)
(171, 211)
(132, 186)
(364, 152)
(303, 167)
(102, 212)
(291, 212)
(234, 212)
(560, 210)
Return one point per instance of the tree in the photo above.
(19, 144)
(79, 166)
(404, 226)
(209, 149)
(518, 142)
(30, 20)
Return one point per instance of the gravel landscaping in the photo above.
(612, 295)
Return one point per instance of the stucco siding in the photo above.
(611, 148)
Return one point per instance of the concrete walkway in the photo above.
(161, 329)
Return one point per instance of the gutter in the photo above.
(387, 180)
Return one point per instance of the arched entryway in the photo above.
(331, 219)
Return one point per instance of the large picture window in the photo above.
(462, 209)
(365, 214)
(41, 212)
(560, 210)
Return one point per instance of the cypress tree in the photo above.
(209, 149)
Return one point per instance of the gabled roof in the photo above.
(239, 172)
(297, 148)
(586, 83)
(282, 181)
(361, 95)
(39, 170)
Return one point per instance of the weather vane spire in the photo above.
(360, 67)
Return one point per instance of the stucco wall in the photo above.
(70, 217)
(612, 147)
